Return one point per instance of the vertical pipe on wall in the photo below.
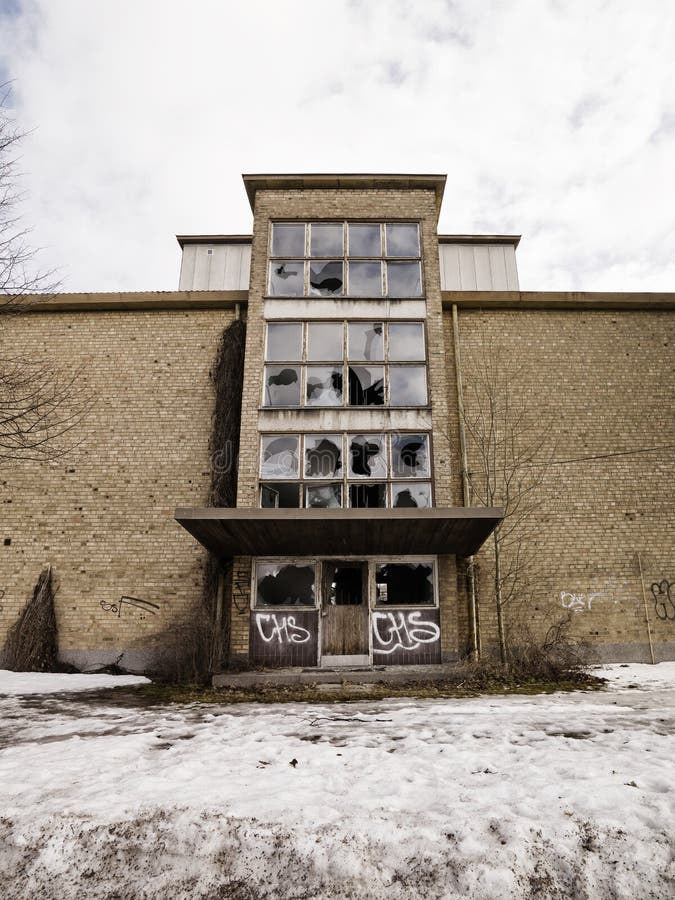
(644, 600)
(466, 487)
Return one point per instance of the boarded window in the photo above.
(324, 386)
(279, 457)
(323, 456)
(277, 495)
(407, 385)
(282, 385)
(284, 341)
(287, 279)
(410, 455)
(326, 279)
(405, 584)
(288, 239)
(285, 585)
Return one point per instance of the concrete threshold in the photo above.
(337, 676)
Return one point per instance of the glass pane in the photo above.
(410, 455)
(288, 239)
(367, 496)
(403, 240)
(405, 584)
(411, 494)
(365, 279)
(325, 279)
(287, 279)
(323, 496)
(324, 341)
(280, 457)
(324, 386)
(285, 585)
(280, 496)
(284, 341)
(326, 240)
(365, 240)
(407, 385)
(366, 385)
(404, 279)
(367, 456)
(282, 386)
(406, 341)
(323, 456)
(365, 340)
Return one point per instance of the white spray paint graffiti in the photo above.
(284, 630)
(577, 603)
(402, 631)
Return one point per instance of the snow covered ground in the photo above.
(570, 795)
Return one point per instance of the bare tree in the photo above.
(511, 450)
(40, 404)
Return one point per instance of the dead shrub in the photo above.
(555, 657)
(32, 641)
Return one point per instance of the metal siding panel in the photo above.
(511, 268)
(187, 268)
(481, 256)
(202, 269)
(498, 268)
(245, 273)
(467, 267)
(450, 277)
(217, 270)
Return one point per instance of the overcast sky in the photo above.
(554, 120)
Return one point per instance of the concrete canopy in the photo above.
(330, 532)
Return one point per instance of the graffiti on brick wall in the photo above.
(146, 607)
(577, 603)
(402, 631)
(664, 603)
(280, 629)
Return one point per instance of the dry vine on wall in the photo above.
(32, 641)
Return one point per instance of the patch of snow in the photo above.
(644, 675)
(24, 683)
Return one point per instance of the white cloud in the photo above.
(551, 119)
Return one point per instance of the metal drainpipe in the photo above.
(466, 487)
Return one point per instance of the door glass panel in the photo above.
(326, 240)
(365, 341)
(367, 496)
(367, 456)
(411, 494)
(278, 495)
(407, 385)
(284, 341)
(324, 341)
(324, 386)
(365, 279)
(288, 239)
(323, 456)
(280, 458)
(325, 279)
(287, 279)
(403, 240)
(285, 585)
(282, 386)
(410, 455)
(404, 584)
(365, 240)
(366, 385)
(323, 496)
(404, 279)
(406, 342)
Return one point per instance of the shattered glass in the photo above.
(285, 584)
(287, 279)
(365, 340)
(323, 456)
(406, 342)
(411, 495)
(365, 279)
(325, 279)
(365, 240)
(404, 584)
(284, 341)
(326, 240)
(404, 279)
(367, 496)
(324, 341)
(407, 385)
(410, 455)
(288, 239)
(366, 385)
(367, 456)
(282, 386)
(278, 495)
(403, 240)
(324, 386)
(280, 456)
(323, 496)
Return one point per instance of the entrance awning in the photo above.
(228, 532)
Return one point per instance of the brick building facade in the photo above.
(353, 525)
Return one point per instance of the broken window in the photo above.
(326, 240)
(324, 386)
(410, 455)
(284, 341)
(367, 456)
(365, 279)
(323, 456)
(288, 239)
(411, 495)
(404, 279)
(287, 279)
(289, 584)
(367, 496)
(280, 496)
(344, 583)
(323, 496)
(282, 386)
(280, 457)
(325, 279)
(404, 584)
(324, 341)
(402, 240)
(365, 340)
(407, 385)
(366, 385)
(365, 240)
(406, 341)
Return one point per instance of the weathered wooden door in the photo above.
(344, 614)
